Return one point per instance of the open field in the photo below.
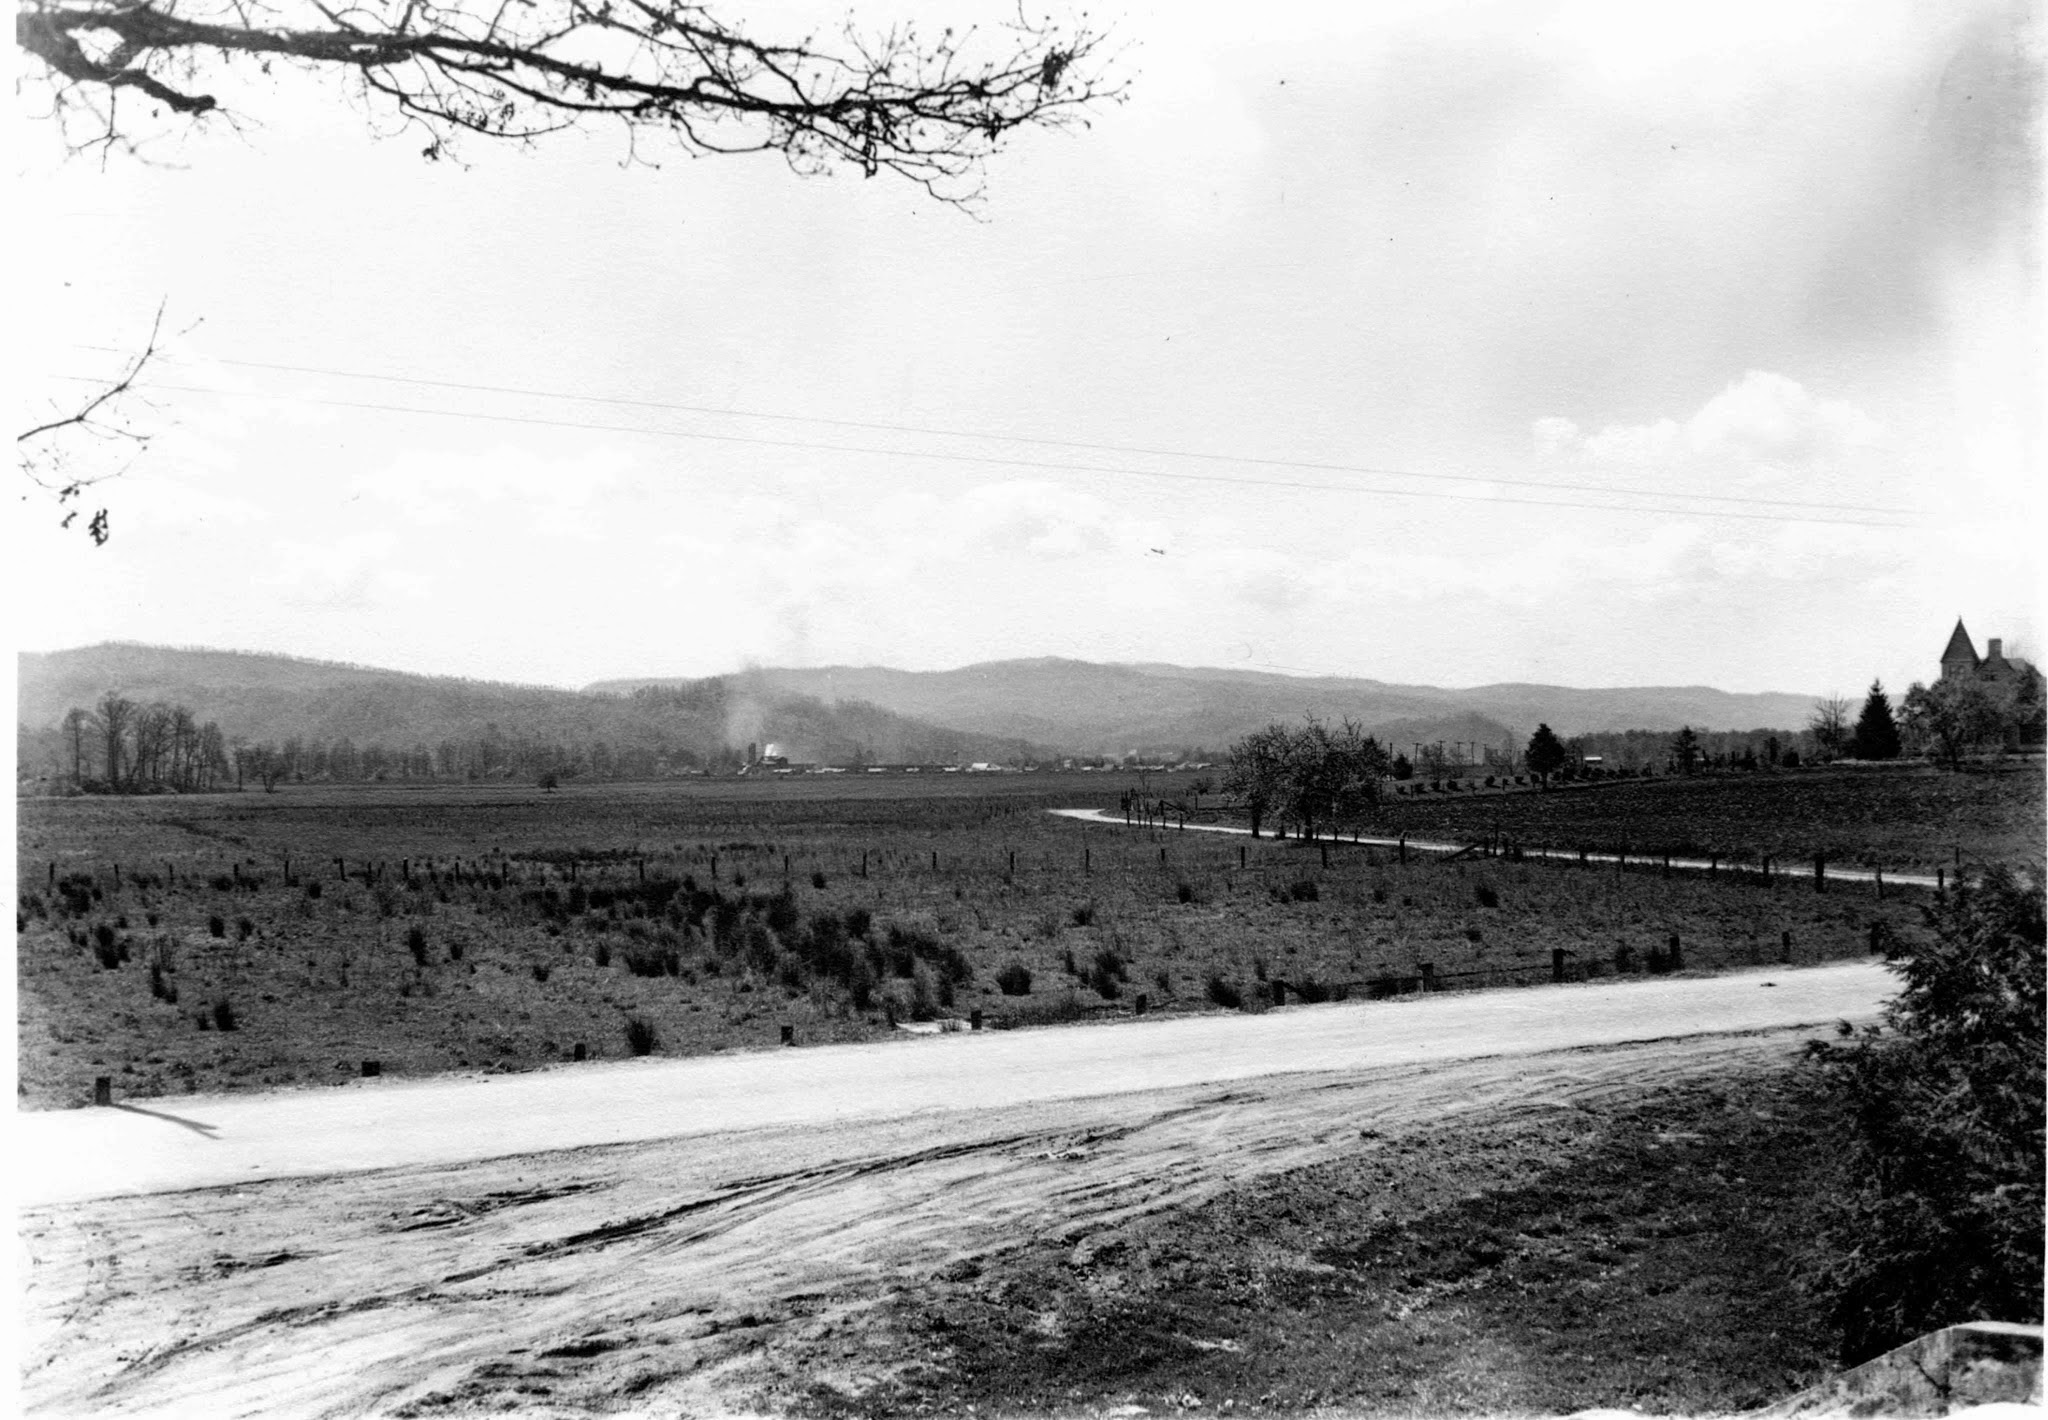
(1905, 817)
(498, 929)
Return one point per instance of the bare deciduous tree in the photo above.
(1829, 724)
(115, 713)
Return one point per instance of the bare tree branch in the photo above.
(519, 69)
(45, 458)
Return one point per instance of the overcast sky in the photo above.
(1267, 367)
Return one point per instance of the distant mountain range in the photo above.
(1083, 707)
(998, 710)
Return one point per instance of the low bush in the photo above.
(1311, 991)
(1014, 979)
(416, 943)
(1083, 915)
(1103, 980)
(652, 962)
(1304, 891)
(217, 925)
(224, 1014)
(1184, 892)
(1486, 895)
(640, 1036)
(1944, 1110)
(1223, 993)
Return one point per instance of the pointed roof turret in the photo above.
(1959, 647)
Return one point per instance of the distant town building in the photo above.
(1994, 670)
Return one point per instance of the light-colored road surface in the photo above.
(201, 1141)
(388, 1248)
(1562, 855)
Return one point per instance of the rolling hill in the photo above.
(998, 710)
(258, 697)
(1083, 707)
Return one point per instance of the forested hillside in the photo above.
(277, 717)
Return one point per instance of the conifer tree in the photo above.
(1877, 732)
(1546, 753)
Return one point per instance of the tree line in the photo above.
(1951, 720)
(122, 746)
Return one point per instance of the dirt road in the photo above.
(671, 1277)
(203, 1141)
(1830, 871)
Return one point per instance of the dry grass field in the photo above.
(257, 940)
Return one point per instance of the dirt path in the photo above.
(672, 1277)
(1561, 855)
(202, 1141)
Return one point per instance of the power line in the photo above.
(925, 430)
(1042, 464)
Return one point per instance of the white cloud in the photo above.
(1763, 427)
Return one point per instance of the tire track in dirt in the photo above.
(676, 1276)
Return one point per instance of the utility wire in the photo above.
(537, 422)
(883, 427)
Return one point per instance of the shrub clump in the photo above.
(1944, 1108)
(640, 1036)
(1014, 979)
(1224, 993)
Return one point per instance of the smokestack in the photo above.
(1997, 649)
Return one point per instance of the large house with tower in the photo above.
(1994, 669)
(2012, 682)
